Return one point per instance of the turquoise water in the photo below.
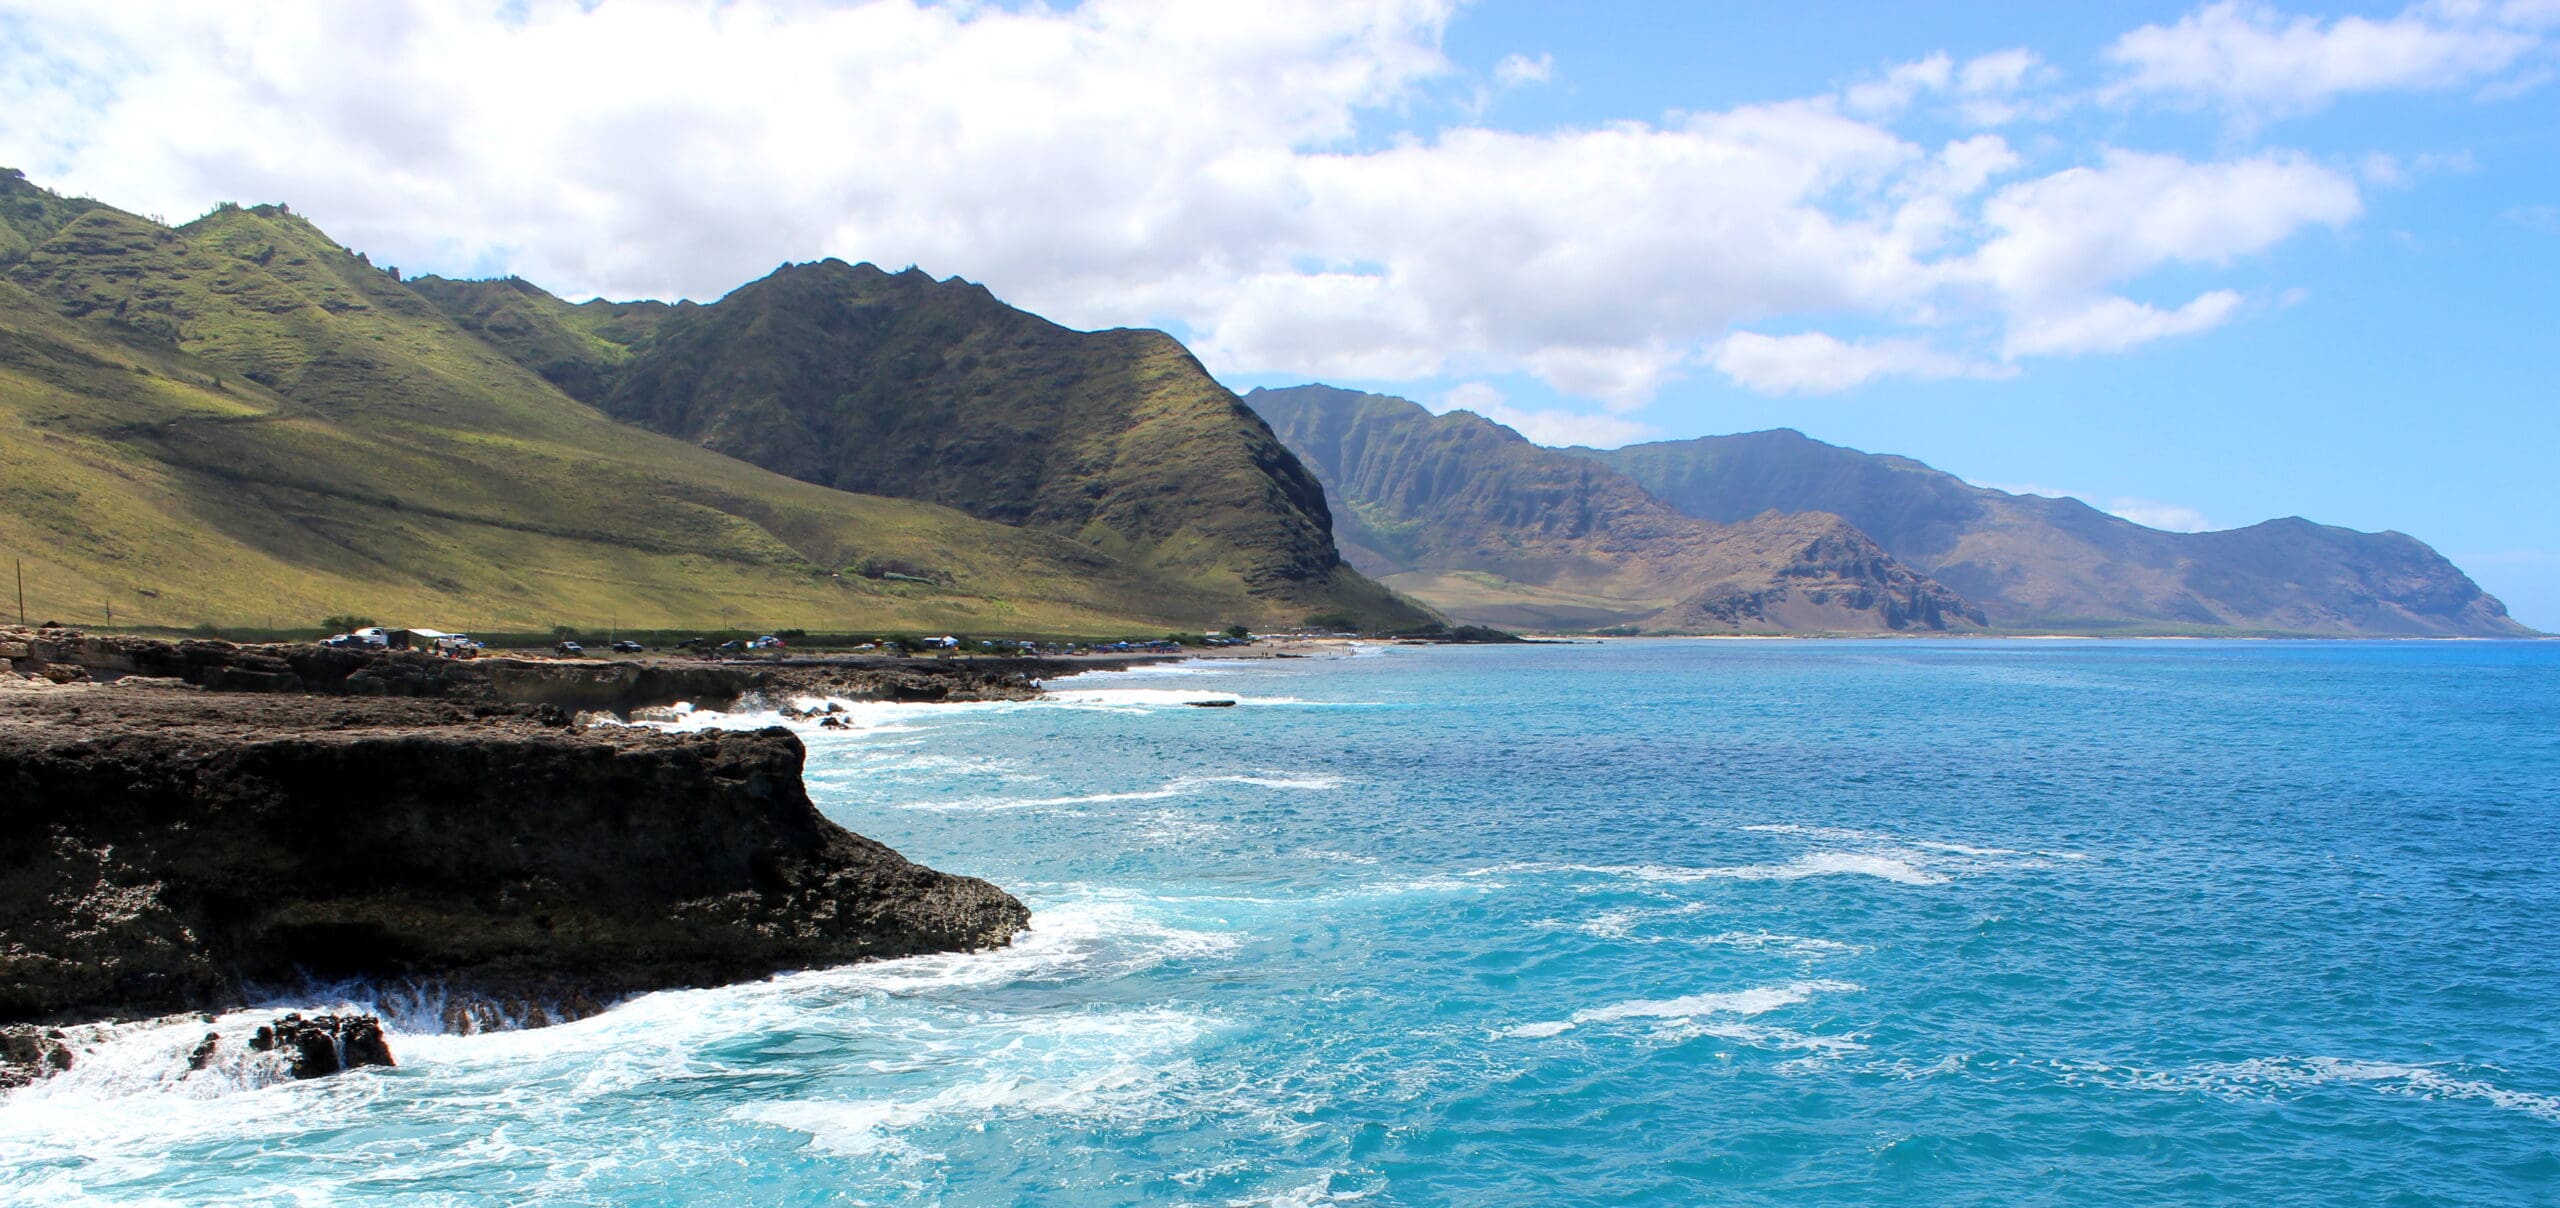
(1649, 923)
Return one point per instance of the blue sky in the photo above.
(2198, 264)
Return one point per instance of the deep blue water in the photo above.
(1647, 923)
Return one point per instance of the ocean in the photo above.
(1650, 922)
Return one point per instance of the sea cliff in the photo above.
(170, 848)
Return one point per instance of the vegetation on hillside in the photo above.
(898, 384)
(239, 422)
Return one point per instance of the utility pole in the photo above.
(22, 591)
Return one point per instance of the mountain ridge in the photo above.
(2041, 563)
(240, 420)
(1473, 518)
(902, 385)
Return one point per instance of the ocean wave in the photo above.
(1131, 1065)
(1752, 1001)
(2271, 1076)
(1812, 864)
(1843, 834)
(1764, 1037)
(1182, 786)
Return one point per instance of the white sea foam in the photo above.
(1753, 1001)
(1812, 864)
(2266, 1076)
(1183, 786)
(155, 1056)
(1763, 1036)
(1843, 834)
(1106, 1068)
(1308, 1196)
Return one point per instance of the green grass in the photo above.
(239, 423)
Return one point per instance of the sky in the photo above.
(2200, 265)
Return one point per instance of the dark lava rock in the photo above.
(28, 1054)
(321, 1045)
(164, 851)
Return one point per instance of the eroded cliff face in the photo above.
(163, 849)
(1470, 517)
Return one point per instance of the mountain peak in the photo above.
(1476, 520)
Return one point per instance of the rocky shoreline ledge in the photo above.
(190, 825)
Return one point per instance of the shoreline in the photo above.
(200, 821)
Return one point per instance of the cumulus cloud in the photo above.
(1164, 162)
(2135, 212)
(1554, 427)
(1818, 363)
(2253, 59)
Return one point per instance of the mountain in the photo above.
(1470, 517)
(902, 385)
(241, 422)
(574, 346)
(2038, 563)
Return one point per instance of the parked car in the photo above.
(627, 646)
(569, 648)
(370, 637)
(767, 642)
(732, 644)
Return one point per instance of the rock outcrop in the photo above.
(170, 850)
(320, 1045)
(573, 686)
(30, 1054)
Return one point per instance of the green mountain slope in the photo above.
(2039, 563)
(575, 346)
(1468, 516)
(241, 422)
(901, 385)
(30, 215)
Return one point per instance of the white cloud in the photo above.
(1999, 72)
(2081, 228)
(2152, 513)
(2172, 517)
(1145, 161)
(2255, 60)
(1554, 427)
(1816, 363)
(2114, 325)
(1900, 85)
(1984, 90)
(1516, 71)
(2539, 218)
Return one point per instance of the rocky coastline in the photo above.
(192, 826)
